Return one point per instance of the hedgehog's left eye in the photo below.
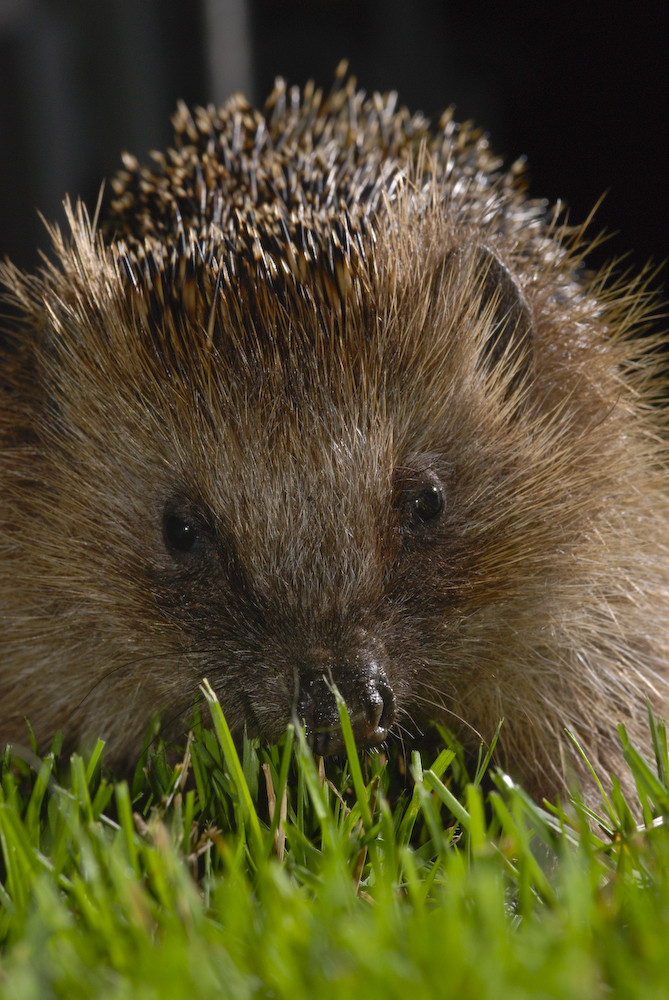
(427, 504)
(180, 534)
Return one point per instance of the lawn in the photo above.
(263, 874)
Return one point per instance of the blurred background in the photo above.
(580, 90)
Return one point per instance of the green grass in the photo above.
(262, 876)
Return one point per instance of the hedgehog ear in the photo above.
(507, 349)
(475, 285)
(476, 274)
(511, 330)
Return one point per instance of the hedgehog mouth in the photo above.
(328, 741)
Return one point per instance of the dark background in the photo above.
(580, 90)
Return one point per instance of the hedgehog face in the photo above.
(309, 511)
(306, 480)
(305, 575)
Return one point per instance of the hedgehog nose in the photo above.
(379, 712)
(370, 702)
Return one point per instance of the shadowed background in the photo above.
(579, 90)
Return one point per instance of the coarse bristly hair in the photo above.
(325, 399)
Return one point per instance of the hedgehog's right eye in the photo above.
(421, 503)
(181, 534)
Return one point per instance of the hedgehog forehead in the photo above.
(286, 451)
(298, 403)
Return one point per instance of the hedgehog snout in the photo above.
(366, 691)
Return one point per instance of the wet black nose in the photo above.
(369, 699)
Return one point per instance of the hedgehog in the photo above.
(324, 401)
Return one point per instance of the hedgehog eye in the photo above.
(421, 505)
(427, 505)
(181, 535)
